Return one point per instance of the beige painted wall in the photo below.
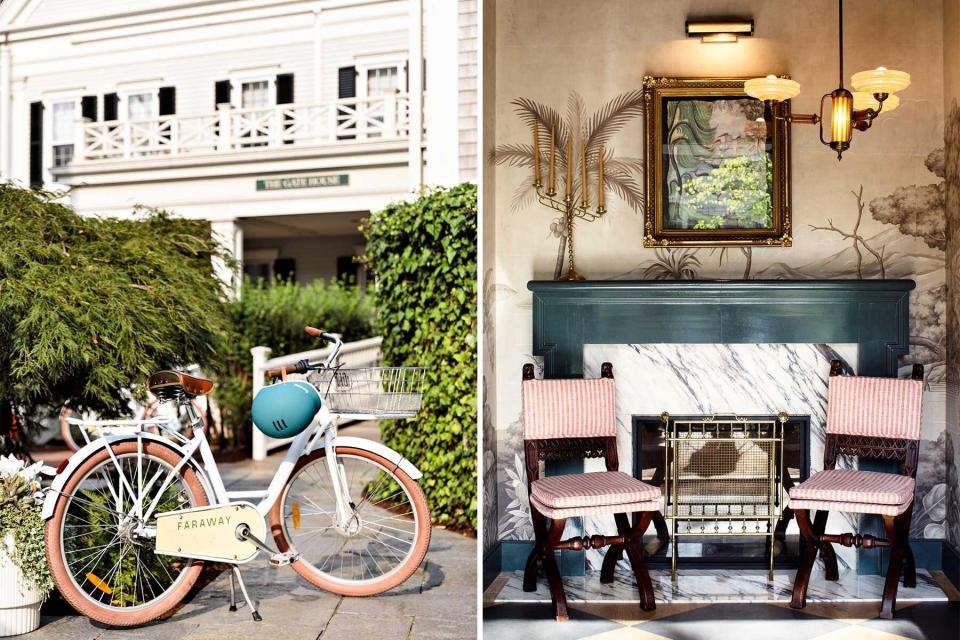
(547, 48)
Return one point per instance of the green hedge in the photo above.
(424, 255)
(274, 316)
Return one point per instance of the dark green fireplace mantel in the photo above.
(874, 314)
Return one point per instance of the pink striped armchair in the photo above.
(875, 418)
(569, 419)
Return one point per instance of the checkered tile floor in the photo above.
(726, 621)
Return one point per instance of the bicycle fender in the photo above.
(80, 456)
(381, 450)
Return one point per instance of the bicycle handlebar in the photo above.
(303, 365)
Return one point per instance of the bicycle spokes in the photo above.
(363, 538)
(107, 548)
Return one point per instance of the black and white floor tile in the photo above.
(717, 605)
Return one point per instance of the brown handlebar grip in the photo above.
(276, 372)
(313, 331)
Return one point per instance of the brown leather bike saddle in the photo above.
(170, 385)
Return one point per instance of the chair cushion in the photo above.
(877, 407)
(569, 408)
(850, 507)
(853, 486)
(591, 490)
(598, 510)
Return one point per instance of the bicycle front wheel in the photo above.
(376, 546)
(100, 555)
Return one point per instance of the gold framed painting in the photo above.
(717, 168)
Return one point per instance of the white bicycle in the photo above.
(132, 516)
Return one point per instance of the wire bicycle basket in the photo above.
(380, 391)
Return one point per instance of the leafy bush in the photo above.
(424, 255)
(274, 316)
(20, 516)
(89, 305)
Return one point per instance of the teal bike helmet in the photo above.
(285, 409)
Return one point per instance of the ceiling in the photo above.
(298, 226)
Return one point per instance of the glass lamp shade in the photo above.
(863, 100)
(841, 120)
(880, 80)
(771, 88)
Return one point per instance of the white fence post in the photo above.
(362, 353)
(260, 355)
(224, 127)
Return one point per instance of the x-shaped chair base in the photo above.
(814, 539)
(629, 541)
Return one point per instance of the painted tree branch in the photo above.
(856, 237)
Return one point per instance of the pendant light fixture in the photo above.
(873, 92)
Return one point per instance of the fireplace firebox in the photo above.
(719, 517)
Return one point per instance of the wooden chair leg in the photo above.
(533, 560)
(557, 593)
(808, 553)
(615, 552)
(909, 565)
(635, 553)
(897, 537)
(827, 552)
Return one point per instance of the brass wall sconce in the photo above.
(719, 30)
(873, 93)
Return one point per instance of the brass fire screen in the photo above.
(724, 477)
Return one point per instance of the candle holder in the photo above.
(570, 211)
(568, 206)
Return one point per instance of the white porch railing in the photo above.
(229, 129)
(362, 353)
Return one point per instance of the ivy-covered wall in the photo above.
(424, 255)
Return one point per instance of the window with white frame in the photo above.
(141, 105)
(257, 97)
(377, 77)
(63, 119)
(255, 94)
(381, 81)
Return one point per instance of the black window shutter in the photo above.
(221, 91)
(346, 88)
(168, 101)
(284, 88)
(406, 76)
(347, 82)
(36, 144)
(88, 107)
(111, 104)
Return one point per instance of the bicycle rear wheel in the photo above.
(101, 561)
(378, 547)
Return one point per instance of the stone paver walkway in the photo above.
(438, 602)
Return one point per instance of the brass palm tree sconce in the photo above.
(568, 205)
(873, 90)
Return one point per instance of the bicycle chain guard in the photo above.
(210, 533)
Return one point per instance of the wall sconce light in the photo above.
(719, 30)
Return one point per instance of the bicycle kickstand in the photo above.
(235, 575)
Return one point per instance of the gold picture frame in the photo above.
(690, 176)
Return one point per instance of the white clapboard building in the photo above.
(282, 122)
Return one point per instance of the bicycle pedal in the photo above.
(283, 559)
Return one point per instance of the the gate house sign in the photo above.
(304, 182)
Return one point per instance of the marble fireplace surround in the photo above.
(642, 325)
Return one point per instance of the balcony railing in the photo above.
(229, 130)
